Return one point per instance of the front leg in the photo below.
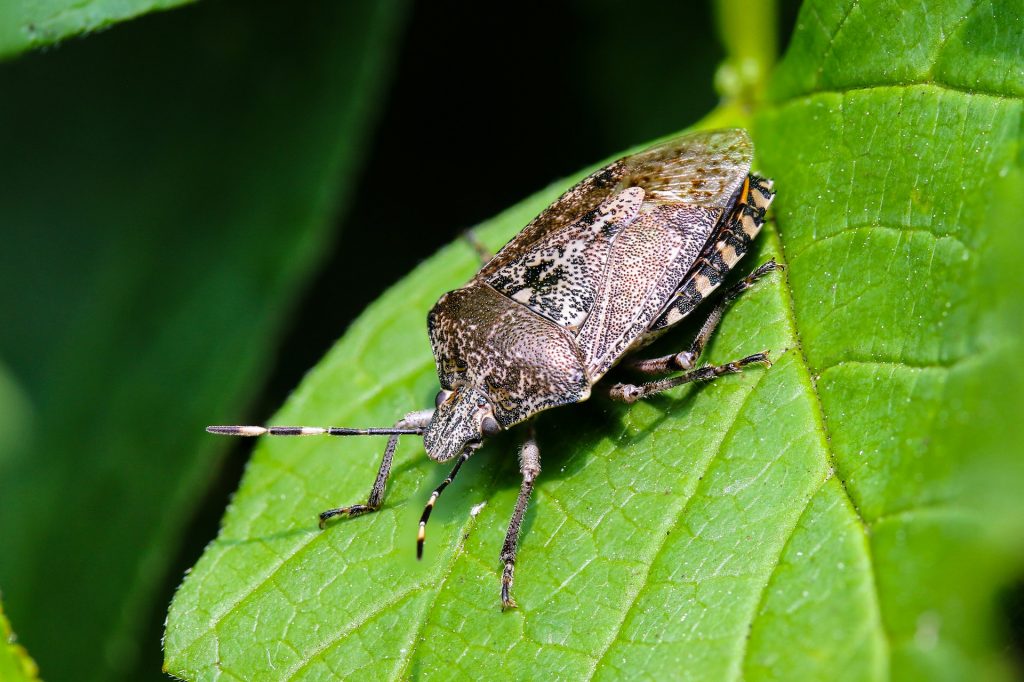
(529, 464)
(413, 420)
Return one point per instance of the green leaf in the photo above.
(28, 25)
(15, 663)
(161, 214)
(832, 517)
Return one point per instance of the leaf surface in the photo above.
(15, 663)
(817, 520)
(28, 25)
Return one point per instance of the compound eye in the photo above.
(442, 396)
(489, 426)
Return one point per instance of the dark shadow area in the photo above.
(1011, 620)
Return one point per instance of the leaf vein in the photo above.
(348, 629)
(214, 620)
(901, 364)
(925, 83)
(819, 407)
(883, 228)
(762, 595)
(832, 40)
(421, 621)
(952, 32)
(661, 542)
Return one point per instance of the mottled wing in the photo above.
(559, 274)
(704, 168)
(580, 199)
(645, 266)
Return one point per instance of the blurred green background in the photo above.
(195, 204)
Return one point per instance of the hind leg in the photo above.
(687, 359)
(482, 252)
(630, 393)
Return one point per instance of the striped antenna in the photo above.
(309, 431)
(422, 534)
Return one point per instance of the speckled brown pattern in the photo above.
(558, 277)
(489, 346)
(584, 282)
(619, 258)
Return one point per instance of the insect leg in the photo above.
(416, 421)
(687, 359)
(630, 393)
(482, 252)
(529, 464)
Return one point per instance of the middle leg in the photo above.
(687, 359)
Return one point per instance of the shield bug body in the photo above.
(618, 259)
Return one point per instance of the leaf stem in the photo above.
(748, 31)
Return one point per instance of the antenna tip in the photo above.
(236, 430)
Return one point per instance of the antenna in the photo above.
(422, 534)
(251, 431)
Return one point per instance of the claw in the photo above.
(350, 512)
(507, 602)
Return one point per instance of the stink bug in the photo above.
(614, 262)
